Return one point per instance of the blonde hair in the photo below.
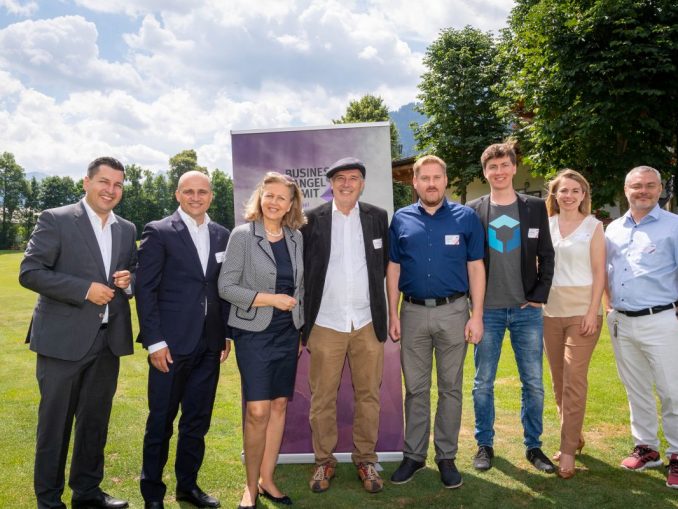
(428, 159)
(551, 202)
(294, 217)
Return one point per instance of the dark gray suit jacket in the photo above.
(62, 259)
(318, 241)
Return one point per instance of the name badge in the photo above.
(533, 233)
(451, 240)
(377, 243)
(219, 257)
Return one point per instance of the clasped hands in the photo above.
(101, 294)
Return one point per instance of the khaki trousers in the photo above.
(569, 354)
(328, 349)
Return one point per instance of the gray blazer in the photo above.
(62, 259)
(249, 268)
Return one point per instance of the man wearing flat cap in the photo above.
(344, 268)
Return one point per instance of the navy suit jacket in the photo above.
(172, 291)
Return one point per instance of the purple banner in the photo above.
(305, 154)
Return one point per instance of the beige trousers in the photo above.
(329, 349)
(569, 354)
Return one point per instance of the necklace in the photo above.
(279, 234)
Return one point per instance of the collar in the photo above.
(94, 217)
(444, 205)
(189, 221)
(653, 214)
(335, 209)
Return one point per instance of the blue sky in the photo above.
(145, 79)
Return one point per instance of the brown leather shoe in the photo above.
(368, 474)
(322, 476)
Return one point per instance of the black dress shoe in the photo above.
(449, 474)
(154, 505)
(540, 461)
(197, 497)
(103, 500)
(404, 473)
(284, 500)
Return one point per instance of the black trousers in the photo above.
(73, 390)
(192, 384)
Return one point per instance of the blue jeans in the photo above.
(526, 331)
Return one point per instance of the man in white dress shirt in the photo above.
(345, 257)
(183, 324)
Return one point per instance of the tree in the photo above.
(458, 97)
(12, 191)
(181, 163)
(57, 191)
(29, 208)
(591, 85)
(221, 210)
(370, 108)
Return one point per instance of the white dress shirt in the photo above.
(345, 303)
(200, 235)
(105, 241)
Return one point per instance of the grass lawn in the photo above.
(512, 483)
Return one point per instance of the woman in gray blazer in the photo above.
(262, 278)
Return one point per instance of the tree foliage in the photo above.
(12, 192)
(457, 95)
(370, 108)
(592, 85)
(181, 163)
(57, 191)
(222, 210)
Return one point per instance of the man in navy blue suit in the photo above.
(183, 324)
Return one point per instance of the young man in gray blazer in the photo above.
(345, 260)
(80, 260)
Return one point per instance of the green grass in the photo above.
(512, 483)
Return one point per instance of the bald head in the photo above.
(193, 174)
(194, 194)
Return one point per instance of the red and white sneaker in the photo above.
(641, 458)
(672, 475)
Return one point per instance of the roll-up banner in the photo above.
(305, 154)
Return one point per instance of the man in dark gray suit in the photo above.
(80, 259)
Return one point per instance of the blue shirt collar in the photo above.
(445, 205)
(653, 215)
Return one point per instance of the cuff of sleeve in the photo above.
(156, 346)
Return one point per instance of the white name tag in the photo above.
(377, 243)
(533, 233)
(220, 256)
(451, 240)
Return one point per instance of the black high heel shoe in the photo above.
(284, 500)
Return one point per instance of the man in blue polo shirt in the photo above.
(642, 264)
(436, 258)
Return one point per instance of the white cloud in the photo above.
(19, 8)
(61, 51)
(188, 72)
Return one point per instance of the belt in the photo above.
(649, 311)
(431, 303)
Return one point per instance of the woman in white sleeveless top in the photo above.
(573, 314)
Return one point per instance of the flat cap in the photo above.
(347, 163)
